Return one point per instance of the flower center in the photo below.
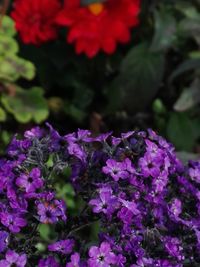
(35, 19)
(96, 8)
(101, 258)
(30, 180)
(48, 214)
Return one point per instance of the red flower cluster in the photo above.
(93, 27)
(99, 25)
(35, 20)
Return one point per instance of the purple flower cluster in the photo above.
(144, 203)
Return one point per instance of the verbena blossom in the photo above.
(13, 259)
(75, 261)
(13, 221)
(143, 202)
(3, 240)
(51, 212)
(49, 261)
(30, 182)
(62, 246)
(115, 169)
(106, 202)
(101, 256)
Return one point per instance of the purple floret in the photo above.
(13, 259)
(101, 256)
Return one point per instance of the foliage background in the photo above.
(154, 81)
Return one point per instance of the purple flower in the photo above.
(149, 166)
(75, 261)
(75, 141)
(120, 260)
(80, 136)
(34, 132)
(13, 259)
(129, 166)
(143, 262)
(152, 147)
(152, 222)
(77, 151)
(62, 246)
(174, 248)
(102, 137)
(160, 183)
(195, 174)
(127, 135)
(55, 138)
(30, 182)
(51, 212)
(115, 169)
(106, 202)
(48, 262)
(176, 208)
(115, 140)
(131, 206)
(166, 263)
(101, 256)
(3, 240)
(17, 146)
(14, 222)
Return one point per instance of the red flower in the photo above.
(35, 20)
(99, 26)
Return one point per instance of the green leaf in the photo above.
(140, 75)
(2, 114)
(190, 27)
(44, 230)
(189, 98)
(158, 107)
(188, 65)
(8, 27)
(165, 31)
(8, 46)
(6, 137)
(23, 67)
(13, 67)
(74, 112)
(194, 55)
(83, 96)
(7, 70)
(27, 105)
(40, 247)
(182, 131)
(188, 10)
(67, 193)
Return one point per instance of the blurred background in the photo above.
(151, 82)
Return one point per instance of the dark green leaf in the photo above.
(140, 75)
(2, 114)
(165, 31)
(189, 98)
(190, 64)
(182, 131)
(190, 27)
(75, 112)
